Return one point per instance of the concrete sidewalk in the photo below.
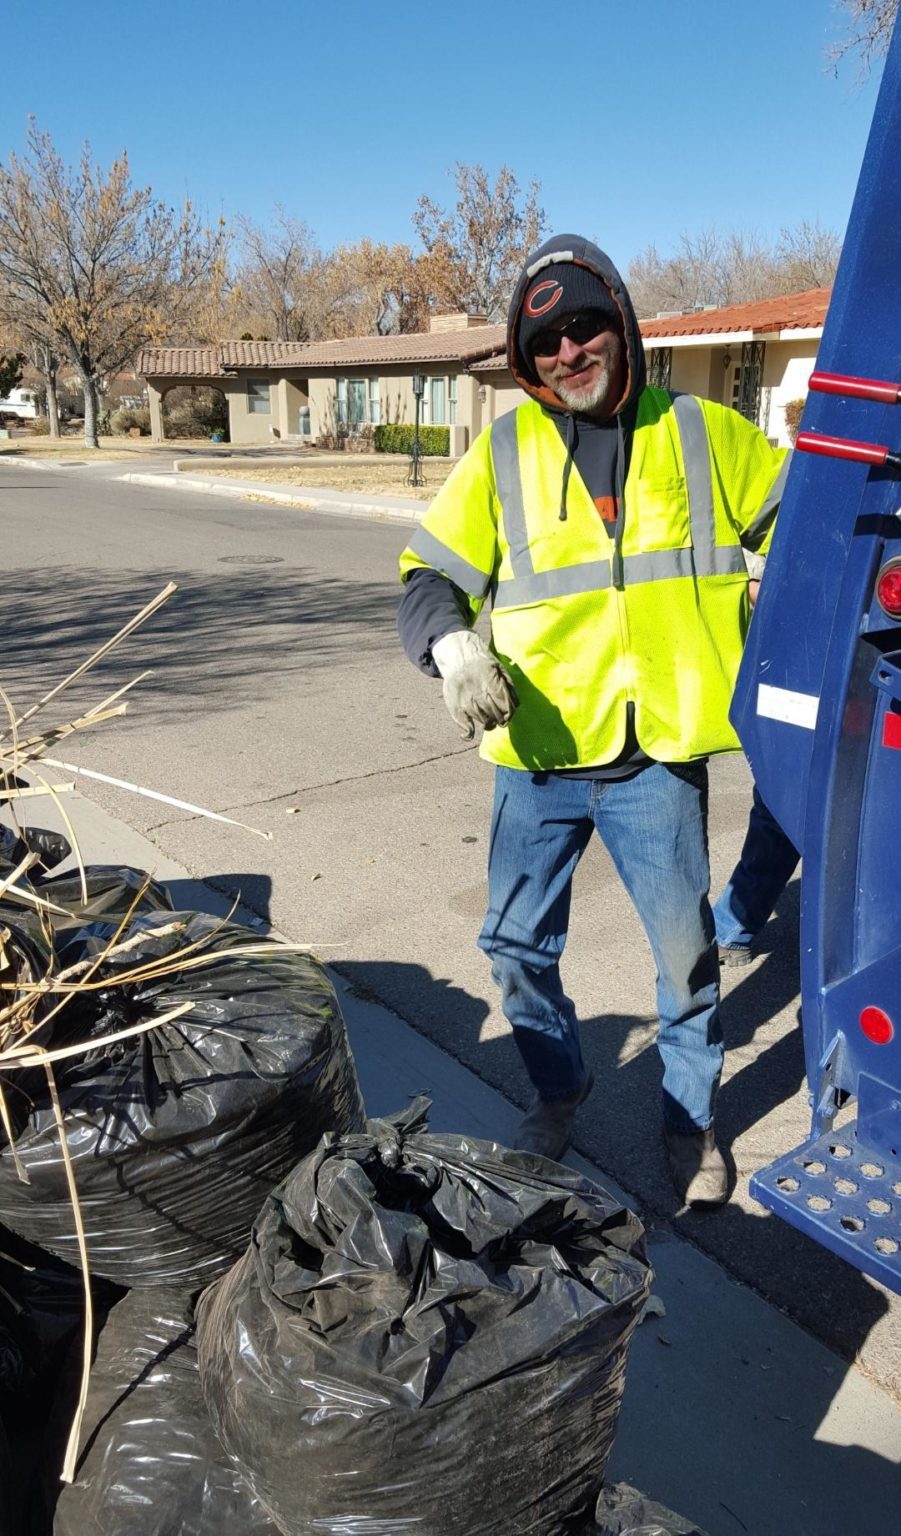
(733, 1416)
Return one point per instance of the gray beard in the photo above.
(588, 401)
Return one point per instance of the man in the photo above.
(606, 520)
(768, 861)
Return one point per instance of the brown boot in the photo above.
(696, 1165)
(547, 1126)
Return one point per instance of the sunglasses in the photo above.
(580, 328)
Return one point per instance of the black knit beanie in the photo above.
(564, 288)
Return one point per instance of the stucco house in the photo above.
(753, 356)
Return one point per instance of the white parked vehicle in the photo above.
(19, 402)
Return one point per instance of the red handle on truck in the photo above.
(858, 389)
(844, 448)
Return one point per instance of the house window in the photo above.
(452, 401)
(258, 402)
(375, 407)
(355, 401)
(437, 409)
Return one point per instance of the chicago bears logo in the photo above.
(552, 292)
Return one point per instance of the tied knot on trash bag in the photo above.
(405, 1295)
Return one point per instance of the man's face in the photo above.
(583, 366)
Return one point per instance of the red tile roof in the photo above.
(463, 346)
(481, 348)
(258, 354)
(194, 362)
(792, 311)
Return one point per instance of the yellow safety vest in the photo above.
(585, 624)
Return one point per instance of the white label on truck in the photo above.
(785, 704)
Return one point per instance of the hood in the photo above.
(577, 249)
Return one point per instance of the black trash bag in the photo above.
(41, 1321)
(150, 1463)
(177, 1135)
(51, 847)
(41, 1310)
(8, 1524)
(623, 1511)
(426, 1333)
(113, 891)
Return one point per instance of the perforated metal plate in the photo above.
(843, 1195)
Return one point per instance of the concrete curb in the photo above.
(18, 462)
(317, 500)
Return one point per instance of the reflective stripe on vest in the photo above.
(433, 553)
(757, 532)
(704, 558)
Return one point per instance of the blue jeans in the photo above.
(768, 861)
(654, 827)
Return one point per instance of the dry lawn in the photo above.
(376, 479)
(73, 447)
(63, 448)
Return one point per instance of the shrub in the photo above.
(195, 412)
(793, 410)
(127, 419)
(40, 426)
(397, 437)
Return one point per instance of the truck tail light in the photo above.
(877, 1026)
(888, 588)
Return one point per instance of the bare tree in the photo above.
(807, 257)
(712, 270)
(276, 276)
(10, 371)
(371, 288)
(92, 264)
(870, 24)
(474, 252)
(39, 346)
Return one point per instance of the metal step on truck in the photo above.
(818, 710)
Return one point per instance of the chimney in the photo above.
(459, 321)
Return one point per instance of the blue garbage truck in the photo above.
(818, 710)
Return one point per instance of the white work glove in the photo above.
(477, 690)
(755, 566)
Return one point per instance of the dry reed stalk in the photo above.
(18, 1018)
(68, 1473)
(34, 791)
(104, 650)
(155, 794)
(29, 992)
(27, 1055)
(73, 839)
(21, 868)
(36, 746)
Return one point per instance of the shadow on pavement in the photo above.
(213, 642)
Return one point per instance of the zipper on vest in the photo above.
(618, 571)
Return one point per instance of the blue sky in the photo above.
(641, 120)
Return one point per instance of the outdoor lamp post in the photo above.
(415, 476)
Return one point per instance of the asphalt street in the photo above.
(280, 696)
